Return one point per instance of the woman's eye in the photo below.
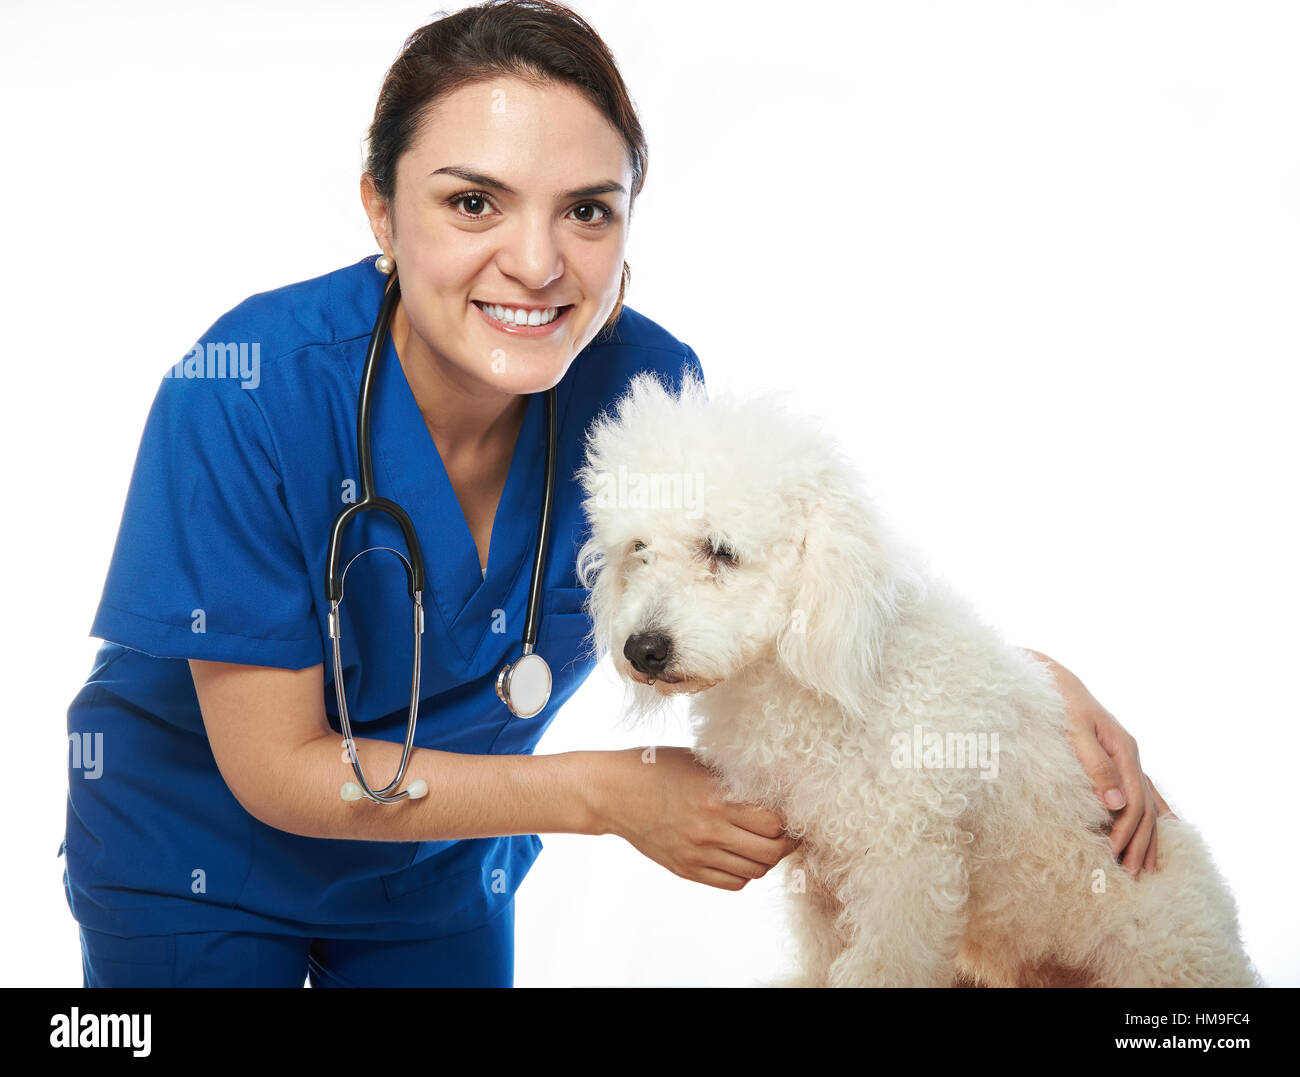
(604, 209)
(469, 196)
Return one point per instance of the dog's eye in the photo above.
(638, 546)
(720, 552)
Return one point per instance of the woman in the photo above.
(207, 843)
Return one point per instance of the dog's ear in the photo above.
(850, 583)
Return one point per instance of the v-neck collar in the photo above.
(412, 469)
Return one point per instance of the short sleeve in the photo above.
(207, 563)
(692, 364)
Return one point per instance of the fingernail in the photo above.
(1114, 799)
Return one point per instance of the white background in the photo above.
(1035, 263)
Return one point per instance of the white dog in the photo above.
(950, 834)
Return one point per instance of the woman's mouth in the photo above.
(522, 321)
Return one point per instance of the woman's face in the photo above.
(511, 196)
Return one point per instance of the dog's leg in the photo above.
(1178, 926)
(906, 916)
(812, 911)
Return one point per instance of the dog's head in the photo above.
(727, 532)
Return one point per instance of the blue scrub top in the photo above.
(221, 555)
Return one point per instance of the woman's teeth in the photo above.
(519, 317)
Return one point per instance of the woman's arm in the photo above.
(279, 757)
(1110, 756)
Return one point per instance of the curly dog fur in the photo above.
(950, 834)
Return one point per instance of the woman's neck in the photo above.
(465, 421)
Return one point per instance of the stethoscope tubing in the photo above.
(543, 526)
(415, 575)
(369, 501)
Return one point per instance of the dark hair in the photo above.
(535, 40)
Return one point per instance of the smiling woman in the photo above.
(504, 160)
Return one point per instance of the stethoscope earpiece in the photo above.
(524, 685)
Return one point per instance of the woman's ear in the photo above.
(850, 581)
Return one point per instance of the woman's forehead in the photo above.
(546, 139)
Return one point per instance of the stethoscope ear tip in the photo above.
(417, 789)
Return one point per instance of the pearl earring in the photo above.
(385, 265)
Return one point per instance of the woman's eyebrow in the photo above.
(484, 180)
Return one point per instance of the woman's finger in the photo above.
(1100, 768)
(733, 864)
(1123, 752)
(745, 843)
(753, 818)
(1136, 850)
(723, 880)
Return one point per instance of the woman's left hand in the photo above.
(1110, 756)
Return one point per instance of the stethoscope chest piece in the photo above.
(524, 685)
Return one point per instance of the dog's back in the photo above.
(1048, 902)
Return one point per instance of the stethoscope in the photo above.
(524, 685)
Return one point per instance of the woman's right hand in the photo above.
(672, 808)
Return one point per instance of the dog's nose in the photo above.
(648, 652)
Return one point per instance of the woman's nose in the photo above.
(530, 253)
